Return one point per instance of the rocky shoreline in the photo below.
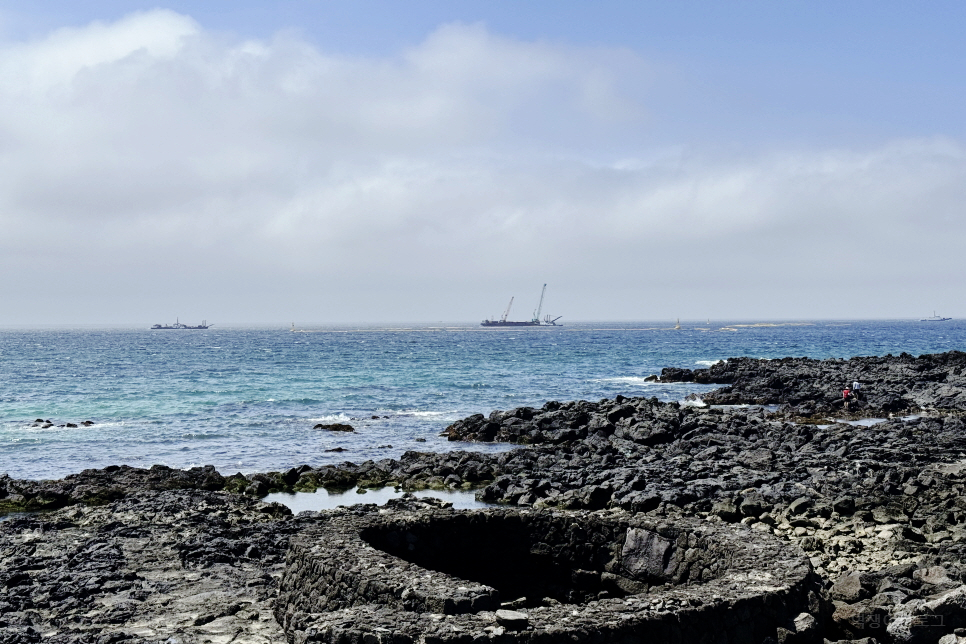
(876, 510)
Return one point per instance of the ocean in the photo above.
(246, 399)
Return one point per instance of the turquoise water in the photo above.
(247, 399)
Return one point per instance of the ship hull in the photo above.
(501, 323)
(177, 326)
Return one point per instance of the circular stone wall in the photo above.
(443, 575)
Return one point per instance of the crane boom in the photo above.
(536, 316)
(507, 312)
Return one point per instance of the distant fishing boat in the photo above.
(177, 325)
(935, 318)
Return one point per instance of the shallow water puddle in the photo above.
(864, 422)
(869, 422)
(15, 515)
(768, 408)
(322, 499)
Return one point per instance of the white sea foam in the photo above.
(695, 402)
(707, 363)
(425, 414)
(59, 426)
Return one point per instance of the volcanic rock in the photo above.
(879, 511)
(335, 427)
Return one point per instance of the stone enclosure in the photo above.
(405, 576)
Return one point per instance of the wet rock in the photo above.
(335, 427)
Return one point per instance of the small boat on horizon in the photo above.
(935, 318)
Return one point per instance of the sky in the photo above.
(377, 161)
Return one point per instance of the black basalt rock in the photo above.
(335, 427)
(881, 502)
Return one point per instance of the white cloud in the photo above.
(151, 117)
(59, 59)
(150, 143)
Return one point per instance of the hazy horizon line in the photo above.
(463, 323)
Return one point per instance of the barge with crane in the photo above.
(536, 321)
